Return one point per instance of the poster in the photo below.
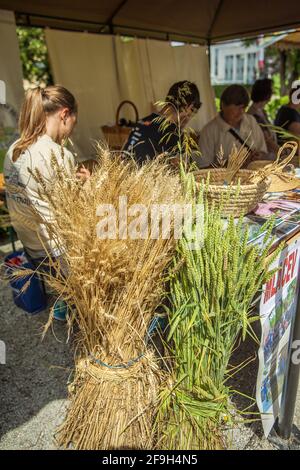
(277, 311)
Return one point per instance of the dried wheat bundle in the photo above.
(112, 287)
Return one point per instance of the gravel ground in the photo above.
(33, 391)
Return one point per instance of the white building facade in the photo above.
(233, 62)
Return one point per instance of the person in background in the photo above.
(232, 126)
(47, 118)
(261, 94)
(148, 139)
(288, 116)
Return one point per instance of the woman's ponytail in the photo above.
(32, 121)
(39, 103)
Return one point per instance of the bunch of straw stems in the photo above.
(211, 293)
(236, 160)
(113, 287)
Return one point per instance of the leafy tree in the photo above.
(34, 56)
(286, 63)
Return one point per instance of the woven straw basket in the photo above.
(117, 136)
(249, 195)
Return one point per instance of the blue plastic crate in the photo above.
(33, 300)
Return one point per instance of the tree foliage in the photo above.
(286, 63)
(34, 56)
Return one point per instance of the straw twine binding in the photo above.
(244, 195)
(98, 372)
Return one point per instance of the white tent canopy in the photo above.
(101, 70)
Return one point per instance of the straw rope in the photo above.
(99, 372)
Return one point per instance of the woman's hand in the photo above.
(83, 174)
(175, 161)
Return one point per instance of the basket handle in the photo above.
(119, 109)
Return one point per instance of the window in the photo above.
(251, 67)
(240, 68)
(229, 68)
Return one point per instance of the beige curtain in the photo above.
(11, 83)
(103, 70)
(86, 66)
(150, 67)
(10, 64)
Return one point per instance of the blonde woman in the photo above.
(47, 118)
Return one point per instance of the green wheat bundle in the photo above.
(211, 292)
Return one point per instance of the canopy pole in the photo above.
(211, 27)
(112, 17)
(209, 52)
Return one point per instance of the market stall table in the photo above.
(279, 310)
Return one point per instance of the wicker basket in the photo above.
(116, 136)
(249, 195)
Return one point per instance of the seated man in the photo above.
(288, 116)
(151, 137)
(232, 126)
